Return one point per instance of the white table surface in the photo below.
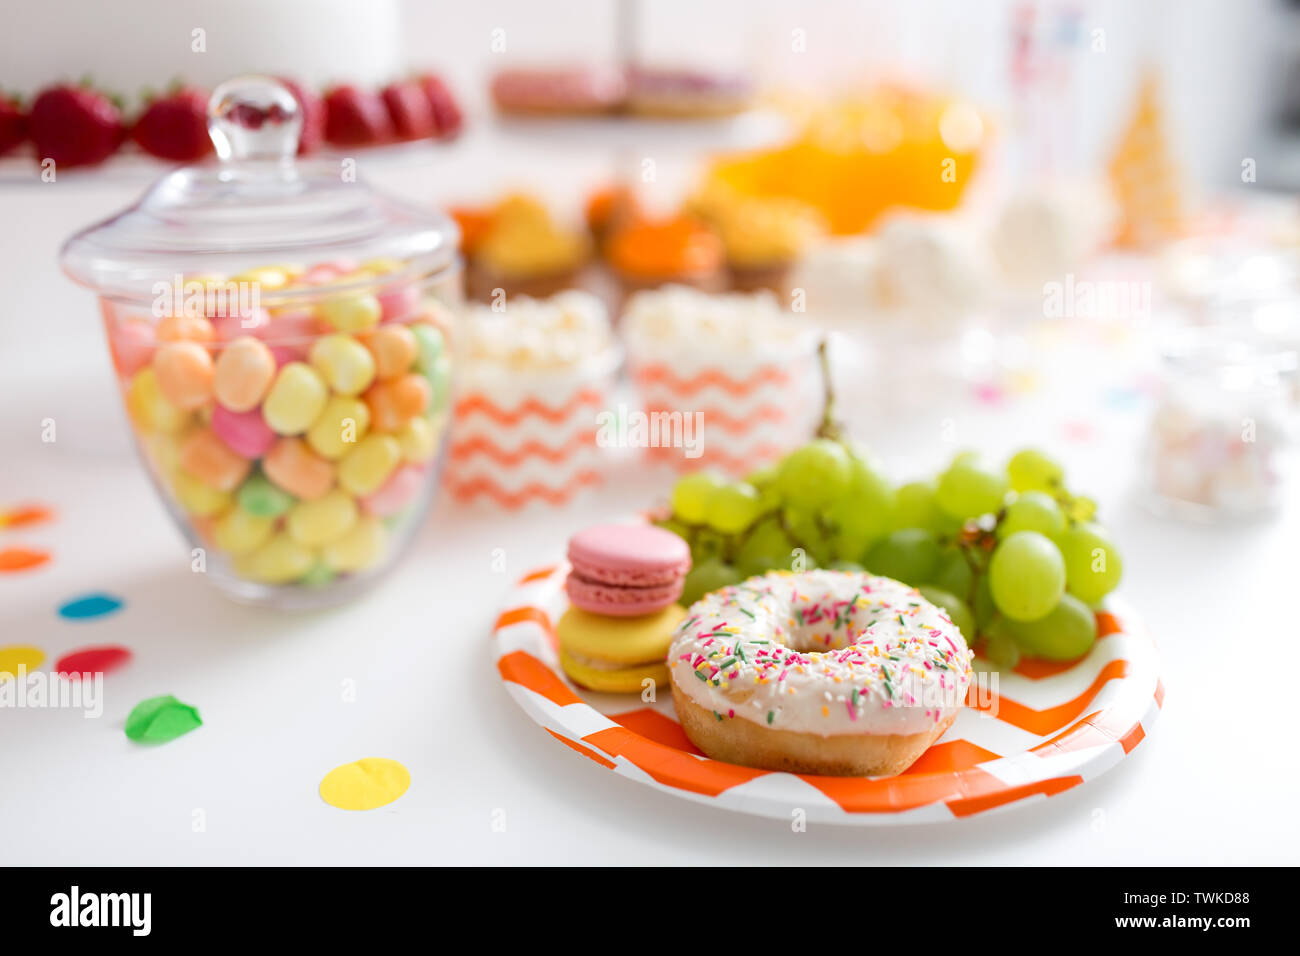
(1214, 783)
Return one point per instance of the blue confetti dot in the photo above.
(89, 606)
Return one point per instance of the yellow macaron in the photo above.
(616, 654)
(617, 680)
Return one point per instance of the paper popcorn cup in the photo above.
(731, 413)
(523, 437)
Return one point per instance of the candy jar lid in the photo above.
(256, 206)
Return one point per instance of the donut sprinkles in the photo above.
(824, 652)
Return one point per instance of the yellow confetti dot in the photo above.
(19, 657)
(365, 784)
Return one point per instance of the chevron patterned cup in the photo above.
(751, 410)
(529, 437)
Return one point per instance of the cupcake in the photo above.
(523, 251)
(610, 208)
(653, 252)
(531, 380)
(733, 372)
(764, 237)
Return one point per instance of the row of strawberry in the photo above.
(77, 125)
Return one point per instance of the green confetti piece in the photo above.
(160, 719)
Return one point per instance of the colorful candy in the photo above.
(351, 313)
(396, 493)
(341, 424)
(279, 561)
(295, 437)
(245, 433)
(295, 400)
(346, 364)
(149, 407)
(262, 499)
(393, 404)
(366, 467)
(394, 349)
(241, 532)
(360, 548)
(243, 373)
(208, 458)
(323, 520)
(297, 469)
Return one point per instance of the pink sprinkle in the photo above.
(853, 714)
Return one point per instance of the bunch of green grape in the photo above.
(1016, 560)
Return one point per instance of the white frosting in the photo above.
(824, 652)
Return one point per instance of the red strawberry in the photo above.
(13, 124)
(75, 126)
(175, 126)
(313, 116)
(410, 110)
(446, 113)
(355, 117)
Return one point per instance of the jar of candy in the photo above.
(1219, 440)
(278, 332)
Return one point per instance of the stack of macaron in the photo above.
(623, 586)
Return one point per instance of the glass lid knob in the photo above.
(254, 118)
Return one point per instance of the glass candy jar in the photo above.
(1219, 438)
(278, 332)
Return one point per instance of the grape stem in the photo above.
(829, 427)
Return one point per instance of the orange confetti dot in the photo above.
(25, 515)
(21, 559)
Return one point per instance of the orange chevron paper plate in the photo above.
(1034, 733)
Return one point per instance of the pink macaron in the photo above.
(624, 570)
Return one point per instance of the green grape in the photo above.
(999, 646)
(915, 507)
(1092, 562)
(846, 566)
(733, 507)
(953, 573)
(705, 577)
(958, 612)
(863, 515)
(690, 498)
(968, 490)
(1031, 470)
(1065, 634)
(676, 527)
(1032, 511)
(1081, 510)
(816, 474)
(1026, 575)
(764, 477)
(909, 555)
(766, 548)
(983, 605)
(706, 544)
(808, 533)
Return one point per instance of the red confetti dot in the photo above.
(92, 660)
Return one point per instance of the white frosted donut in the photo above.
(823, 672)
